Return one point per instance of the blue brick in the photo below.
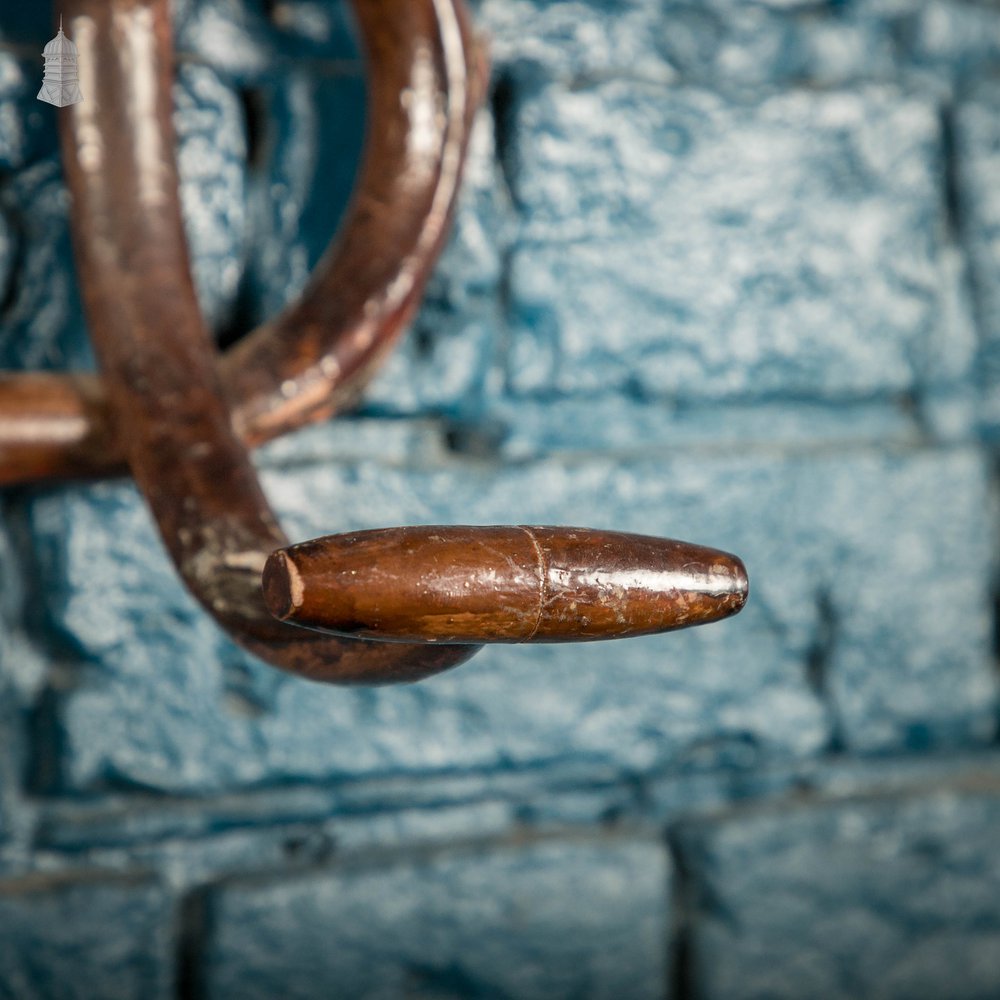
(310, 149)
(252, 42)
(443, 364)
(470, 266)
(43, 325)
(21, 665)
(556, 919)
(735, 45)
(23, 671)
(680, 244)
(574, 38)
(233, 37)
(890, 897)
(955, 41)
(896, 675)
(211, 159)
(977, 157)
(948, 403)
(84, 937)
(719, 44)
(8, 252)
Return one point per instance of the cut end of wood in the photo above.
(282, 585)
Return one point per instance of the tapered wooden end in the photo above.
(501, 584)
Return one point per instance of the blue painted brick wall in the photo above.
(553, 919)
(99, 934)
(885, 896)
(723, 271)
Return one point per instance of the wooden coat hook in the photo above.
(382, 606)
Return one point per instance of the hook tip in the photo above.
(735, 590)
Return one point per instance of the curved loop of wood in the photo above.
(313, 359)
(158, 362)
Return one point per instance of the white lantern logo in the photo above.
(61, 85)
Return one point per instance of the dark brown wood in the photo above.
(156, 355)
(312, 360)
(55, 426)
(501, 584)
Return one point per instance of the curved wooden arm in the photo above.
(315, 357)
(157, 359)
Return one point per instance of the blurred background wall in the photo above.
(724, 271)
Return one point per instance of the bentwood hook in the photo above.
(432, 592)
(156, 355)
